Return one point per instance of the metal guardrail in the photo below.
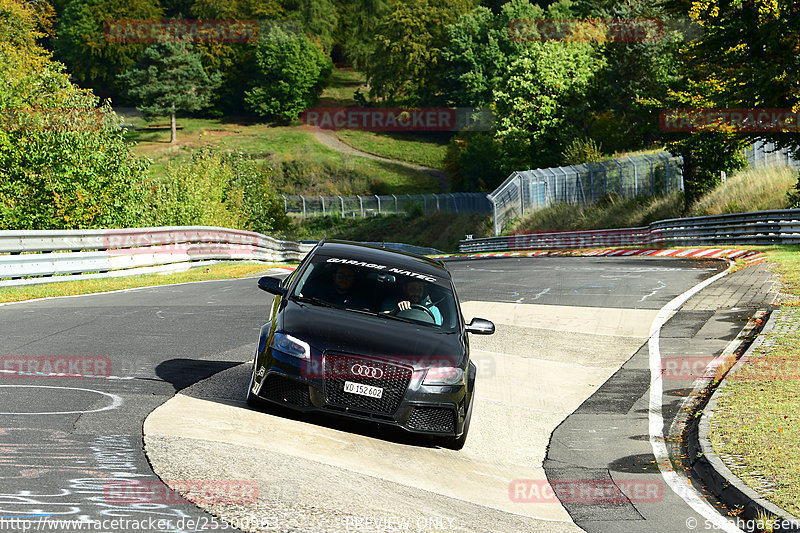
(753, 229)
(42, 256)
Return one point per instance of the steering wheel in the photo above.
(427, 317)
(423, 308)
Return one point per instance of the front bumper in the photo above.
(409, 405)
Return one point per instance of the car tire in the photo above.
(457, 443)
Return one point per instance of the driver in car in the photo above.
(415, 294)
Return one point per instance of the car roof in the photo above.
(375, 254)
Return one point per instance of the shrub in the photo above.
(581, 150)
(473, 162)
(793, 196)
(217, 190)
(306, 173)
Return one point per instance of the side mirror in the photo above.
(271, 285)
(480, 326)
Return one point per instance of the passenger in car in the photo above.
(343, 291)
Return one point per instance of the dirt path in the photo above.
(329, 139)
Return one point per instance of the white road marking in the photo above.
(62, 375)
(661, 286)
(116, 401)
(542, 293)
(678, 486)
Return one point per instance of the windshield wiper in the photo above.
(313, 300)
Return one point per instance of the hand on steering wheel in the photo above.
(405, 305)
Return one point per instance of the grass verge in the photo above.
(756, 426)
(341, 88)
(751, 190)
(426, 150)
(611, 212)
(302, 165)
(747, 191)
(228, 270)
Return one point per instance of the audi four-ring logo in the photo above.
(366, 371)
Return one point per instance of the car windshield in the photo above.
(383, 290)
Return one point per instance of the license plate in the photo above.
(363, 390)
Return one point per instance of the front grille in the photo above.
(394, 382)
(437, 419)
(285, 390)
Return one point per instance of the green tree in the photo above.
(473, 59)
(235, 61)
(317, 18)
(93, 58)
(355, 33)
(636, 69)
(540, 104)
(745, 57)
(404, 66)
(480, 45)
(63, 160)
(291, 74)
(169, 79)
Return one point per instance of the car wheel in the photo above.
(456, 443)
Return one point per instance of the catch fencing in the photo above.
(395, 204)
(42, 256)
(525, 191)
(744, 229)
(762, 154)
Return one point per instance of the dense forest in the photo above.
(566, 81)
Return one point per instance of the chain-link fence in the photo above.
(525, 191)
(394, 204)
(763, 154)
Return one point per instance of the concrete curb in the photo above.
(718, 478)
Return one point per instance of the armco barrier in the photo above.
(41, 256)
(752, 229)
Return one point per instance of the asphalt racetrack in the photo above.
(102, 394)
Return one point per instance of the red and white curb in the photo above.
(696, 253)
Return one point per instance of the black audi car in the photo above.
(372, 334)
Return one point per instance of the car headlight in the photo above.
(444, 375)
(291, 346)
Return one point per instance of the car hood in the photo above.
(327, 329)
